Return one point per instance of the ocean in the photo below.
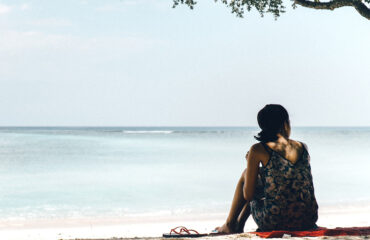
(72, 172)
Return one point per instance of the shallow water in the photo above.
(92, 172)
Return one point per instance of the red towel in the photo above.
(352, 231)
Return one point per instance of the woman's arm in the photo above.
(250, 177)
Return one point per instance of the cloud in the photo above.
(127, 3)
(4, 9)
(108, 8)
(24, 6)
(51, 22)
(16, 42)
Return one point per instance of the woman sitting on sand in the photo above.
(276, 186)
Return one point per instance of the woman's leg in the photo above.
(239, 211)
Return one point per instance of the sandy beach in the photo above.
(152, 227)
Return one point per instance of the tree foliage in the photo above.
(276, 7)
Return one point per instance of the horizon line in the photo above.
(168, 126)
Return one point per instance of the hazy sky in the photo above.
(140, 62)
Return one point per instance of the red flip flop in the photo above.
(180, 232)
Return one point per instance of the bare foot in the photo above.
(226, 228)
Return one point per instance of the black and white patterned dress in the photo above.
(284, 197)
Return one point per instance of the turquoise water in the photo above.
(98, 172)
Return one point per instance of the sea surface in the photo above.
(67, 172)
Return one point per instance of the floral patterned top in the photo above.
(284, 197)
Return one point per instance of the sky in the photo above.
(142, 63)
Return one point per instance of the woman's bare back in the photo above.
(290, 150)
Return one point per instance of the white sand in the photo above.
(154, 226)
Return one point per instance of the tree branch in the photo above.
(357, 4)
(239, 7)
(362, 9)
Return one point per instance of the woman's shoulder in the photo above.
(260, 149)
(258, 153)
(298, 144)
(257, 147)
(301, 148)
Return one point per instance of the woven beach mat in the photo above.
(319, 232)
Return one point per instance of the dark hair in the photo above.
(271, 120)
